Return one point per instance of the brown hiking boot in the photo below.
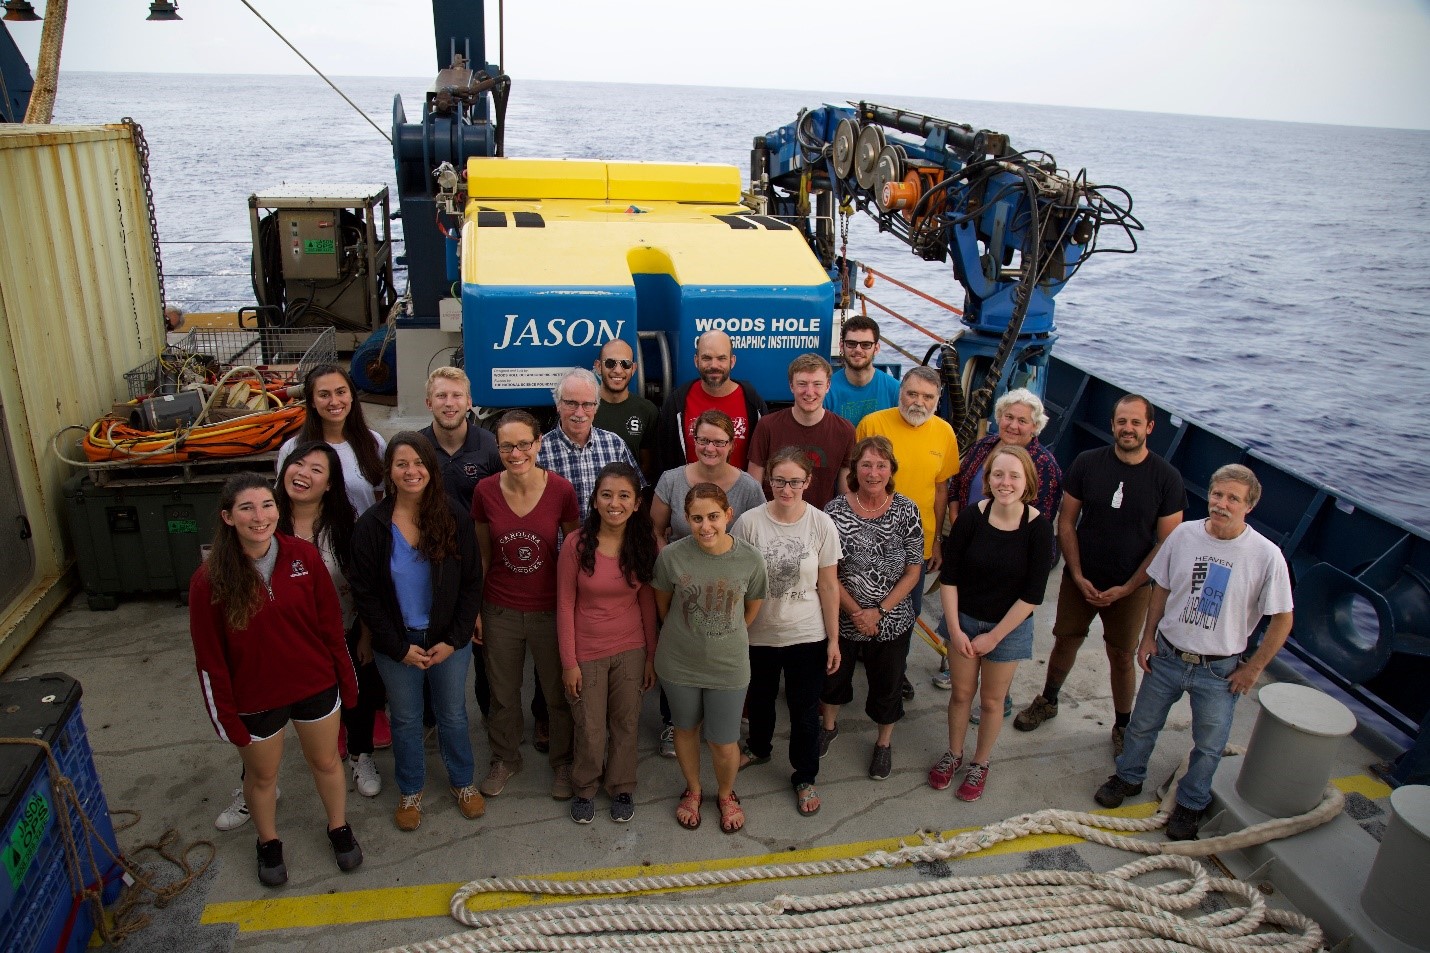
(409, 812)
(1035, 714)
(469, 801)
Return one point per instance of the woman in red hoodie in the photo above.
(268, 638)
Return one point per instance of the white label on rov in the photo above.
(518, 378)
(581, 332)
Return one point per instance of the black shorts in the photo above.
(263, 725)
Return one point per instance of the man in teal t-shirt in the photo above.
(859, 388)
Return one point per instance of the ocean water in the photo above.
(1280, 294)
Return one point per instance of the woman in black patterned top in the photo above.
(882, 540)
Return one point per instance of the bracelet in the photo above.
(882, 611)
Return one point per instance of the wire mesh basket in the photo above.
(282, 354)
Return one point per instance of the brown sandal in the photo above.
(806, 800)
(732, 816)
(687, 812)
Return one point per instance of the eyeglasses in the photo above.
(861, 345)
(711, 442)
(612, 363)
(779, 483)
(506, 449)
(586, 405)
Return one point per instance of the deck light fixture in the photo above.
(164, 10)
(20, 11)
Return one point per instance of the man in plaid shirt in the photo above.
(576, 449)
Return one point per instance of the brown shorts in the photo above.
(1121, 622)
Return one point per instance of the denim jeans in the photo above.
(1212, 707)
(448, 682)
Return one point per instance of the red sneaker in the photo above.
(972, 787)
(941, 774)
(381, 731)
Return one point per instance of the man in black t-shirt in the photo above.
(1128, 499)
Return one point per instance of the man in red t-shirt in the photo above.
(824, 436)
(715, 390)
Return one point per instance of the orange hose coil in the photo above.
(112, 440)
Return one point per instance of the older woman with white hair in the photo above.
(1020, 417)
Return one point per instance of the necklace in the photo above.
(876, 507)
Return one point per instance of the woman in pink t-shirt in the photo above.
(520, 513)
(606, 628)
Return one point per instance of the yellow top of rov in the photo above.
(571, 222)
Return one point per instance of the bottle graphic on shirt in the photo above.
(1117, 497)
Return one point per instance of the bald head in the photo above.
(715, 359)
(615, 367)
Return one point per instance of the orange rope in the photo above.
(912, 290)
(888, 310)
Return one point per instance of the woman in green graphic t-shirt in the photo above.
(708, 588)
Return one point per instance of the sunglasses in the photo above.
(612, 363)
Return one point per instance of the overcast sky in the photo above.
(1362, 62)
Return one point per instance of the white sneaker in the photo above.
(236, 814)
(365, 776)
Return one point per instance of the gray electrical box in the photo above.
(322, 256)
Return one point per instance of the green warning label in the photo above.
(25, 837)
(183, 526)
(319, 246)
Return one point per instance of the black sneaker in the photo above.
(1182, 825)
(346, 849)
(623, 808)
(1114, 791)
(583, 810)
(881, 765)
(906, 688)
(826, 737)
(272, 872)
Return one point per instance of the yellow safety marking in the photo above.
(1363, 784)
(433, 900)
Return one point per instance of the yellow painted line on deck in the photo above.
(1363, 784)
(433, 900)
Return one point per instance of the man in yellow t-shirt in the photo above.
(927, 452)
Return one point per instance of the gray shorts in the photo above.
(718, 708)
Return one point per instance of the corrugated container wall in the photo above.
(79, 306)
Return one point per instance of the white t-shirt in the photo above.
(794, 553)
(1219, 588)
(361, 493)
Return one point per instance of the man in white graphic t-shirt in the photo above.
(1212, 582)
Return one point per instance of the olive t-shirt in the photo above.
(703, 641)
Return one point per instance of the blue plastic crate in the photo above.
(38, 909)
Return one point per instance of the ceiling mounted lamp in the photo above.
(164, 10)
(20, 11)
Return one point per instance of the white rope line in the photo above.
(1096, 828)
(1024, 912)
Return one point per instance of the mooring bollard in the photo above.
(1289, 759)
(1394, 894)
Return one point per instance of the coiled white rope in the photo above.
(1029, 911)
(1025, 912)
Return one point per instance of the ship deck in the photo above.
(157, 755)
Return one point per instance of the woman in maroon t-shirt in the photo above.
(519, 513)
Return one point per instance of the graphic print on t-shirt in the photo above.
(709, 608)
(1210, 580)
(782, 560)
(521, 552)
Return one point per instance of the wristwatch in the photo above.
(882, 611)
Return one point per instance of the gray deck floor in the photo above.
(157, 754)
